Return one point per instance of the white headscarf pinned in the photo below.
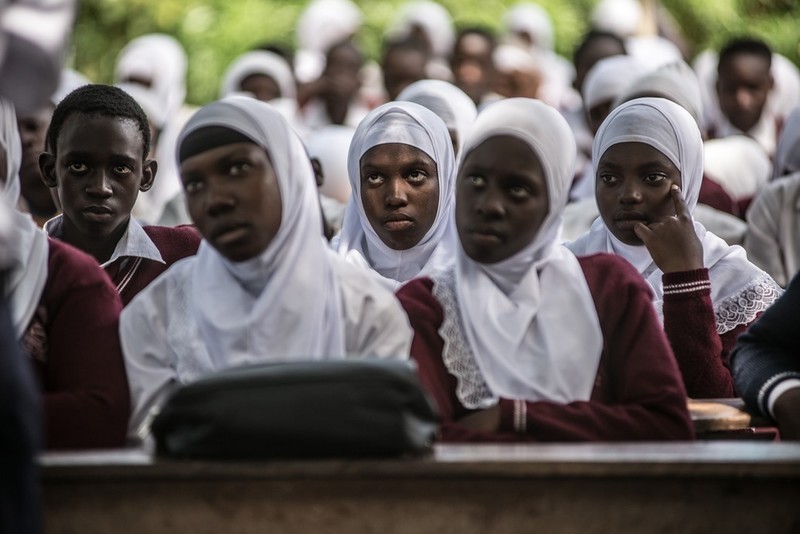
(323, 24)
(450, 104)
(28, 252)
(530, 320)
(737, 163)
(670, 129)
(433, 18)
(609, 77)
(530, 18)
(285, 303)
(329, 145)
(161, 59)
(259, 62)
(414, 125)
(787, 155)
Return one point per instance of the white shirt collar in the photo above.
(134, 242)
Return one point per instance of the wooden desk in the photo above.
(690, 487)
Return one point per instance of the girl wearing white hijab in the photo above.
(408, 124)
(648, 159)
(450, 104)
(65, 313)
(263, 286)
(519, 339)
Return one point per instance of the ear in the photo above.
(47, 168)
(149, 170)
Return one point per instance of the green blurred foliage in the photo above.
(216, 31)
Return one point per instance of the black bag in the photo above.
(344, 408)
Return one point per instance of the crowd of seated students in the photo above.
(469, 157)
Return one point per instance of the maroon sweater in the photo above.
(638, 393)
(173, 243)
(73, 342)
(691, 327)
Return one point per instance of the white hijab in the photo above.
(609, 77)
(259, 62)
(433, 18)
(450, 103)
(787, 155)
(285, 303)
(670, 129)
(530, 320)
(161, 59)
(737, 163)
(530, 18)
(414, 125)
(28, 249)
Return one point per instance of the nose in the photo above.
(219, 199)
(630, 192)
(490, 203)
(396, 192)
(744, 98)
(99, 185)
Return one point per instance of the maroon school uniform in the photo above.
(638, 393)
(73, 342)
(131, 275)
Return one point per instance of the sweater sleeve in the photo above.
(691, 327)
(638, 393)
(767, 354)
(86, 399)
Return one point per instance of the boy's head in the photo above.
(96, 158)
(744, 80)
(596, 45)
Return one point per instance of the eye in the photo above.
(417, 176)
(655, 178)
(238, 168)
(122, 169)
(373, 179)
(192, 185)
(609, 179)
(78, 167)
(476, 180)
(519, 192)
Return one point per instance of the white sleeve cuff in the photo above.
(780, 389)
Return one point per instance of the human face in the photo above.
(601, 48)
(262, 87)
(743, 85)
(472, 65)
(234, 199)
(32, 132)
(597, 114)
(98, 172)
(401, 68)
(633, 185)
(399, 192)
(501, 199)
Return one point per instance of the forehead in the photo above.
(473, 44)
(209, 160)
(395, 154)
(635, 154)
(744, 64)
(505, 152)
(100, 134)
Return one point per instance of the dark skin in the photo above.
(402, 67)
(640, 201)
(501, 203)
(472, 65)
(601, 48)
(743, 85)
(261, 86)
(399, 192)
(339, 83)
(98, 169)
(32, 131)
(787, 412)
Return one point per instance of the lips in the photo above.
(627, 220)
(228, 232)
(398, 222)
(98, 212)
(486, 234)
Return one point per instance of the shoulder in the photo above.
(360, 287)
(169, 290)
(174, 242)
(609, 271)
(70, 266)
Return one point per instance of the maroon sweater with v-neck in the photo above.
(638, 392)
(174, 243)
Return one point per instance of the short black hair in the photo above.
(483, 31)
(745, 46)
(407, 44)
(94, 100)
(593, 35)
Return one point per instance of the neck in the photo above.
(337, 109)
(101, 248)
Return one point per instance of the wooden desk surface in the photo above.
(590, 488)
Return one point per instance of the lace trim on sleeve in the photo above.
(743, 307)
(471, 389)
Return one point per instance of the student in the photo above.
(773, 234)
(472, 66)
(648, 160)
(65, 314)
(449, 103)
(519, 340)
(404, 62)
(401, 168)
(264, 286)
(96, 159)
(766, 366)
(744, 81)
